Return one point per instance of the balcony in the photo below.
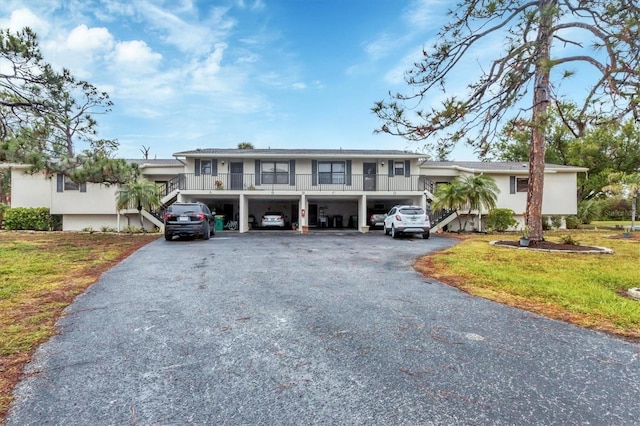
(299, 183)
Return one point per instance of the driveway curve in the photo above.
(280, 328)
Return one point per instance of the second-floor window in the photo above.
(64, 183)
(332, 172)
(518, 184)
(275, 172)
(398, 168)
(205, 167)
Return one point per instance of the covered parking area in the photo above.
(313, 210)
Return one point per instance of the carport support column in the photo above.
(362, 212)
(303, 220)
(243, 226)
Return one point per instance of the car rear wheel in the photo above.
(394, 234)
(206, 232)
(426, 235)
(168, 237)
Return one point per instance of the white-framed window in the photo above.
(64, 183)
(331, 172)
(398, 168)
(205, 167)
(275, 172)
(518, 184)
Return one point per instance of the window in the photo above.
(64, 183)
(275, 172)
(522, 184)
(331, 172)
(398, 167)
(205, 167)
(517, 184)
(70, 185)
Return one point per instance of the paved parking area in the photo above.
(278, 328)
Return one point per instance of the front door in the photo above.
(369, 176)
(313, 214)
(236, 175)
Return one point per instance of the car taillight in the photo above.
(399, 218)
(167, 216)
(201, 216)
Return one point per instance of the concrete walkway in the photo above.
(286, 329)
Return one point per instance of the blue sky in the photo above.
(187, 74)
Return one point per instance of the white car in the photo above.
(273, 219)
(407, 220)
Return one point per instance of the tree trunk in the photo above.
(541, 101)
(141, 218)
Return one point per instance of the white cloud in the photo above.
(188, 37)
(24, 17)
(423, 14)
(205, 74)
(136, 57)
(81, 50)
(86, 40)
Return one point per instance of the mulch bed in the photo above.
(548, 245)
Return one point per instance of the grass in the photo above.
(604, 224)
(584, 289)
(40, 274)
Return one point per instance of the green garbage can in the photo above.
(219, 223)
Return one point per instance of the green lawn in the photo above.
(585, 289)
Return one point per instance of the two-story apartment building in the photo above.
(314, 188)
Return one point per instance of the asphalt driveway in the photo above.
(282, 329)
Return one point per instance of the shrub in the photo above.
(613, 208)
(568, 239)
(500, 219)
(130, 229)
(546, 223)
(556, 221)
(589, 210)
(573, 222)
(107, 229)
(32, 218)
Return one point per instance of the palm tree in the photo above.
(141, 193)
(627, 184)
(481, 191)
(450, 196)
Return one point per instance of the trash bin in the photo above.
(337, 221)
(219, 223)
(353, 221)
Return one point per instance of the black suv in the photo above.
(189, 219)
